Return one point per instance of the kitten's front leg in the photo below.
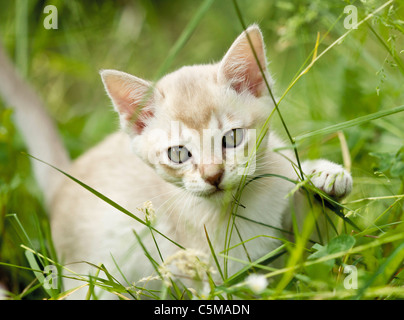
(330, 177)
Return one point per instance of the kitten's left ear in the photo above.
(239, 66)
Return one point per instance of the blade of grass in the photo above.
(39, 274)
(17, 225)
(23, 235)
(178, 45)
(21, 31)
(371, 293)
(265, 225)
(378, 198)
(91, 286)
(326, 200)
(184, 37)
(336, 42)
(263, 261)
(314, 59)
(240, 18)
(148, 255)
(275, 103)
(375, 243)
(350, 123)
(156, 244)
(395, 259)
(384, 44)
(67, 293)
(390, 207)
(296, 253)
(5, 264)
(28, 289)
(39, 255)
(213, 253)
(345, 151)
(119, 270)
(305, 70)
(111, 284)
(107, 200)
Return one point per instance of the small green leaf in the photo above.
(343, 242)
(397, 169)
(389, 162)
(320, 271)
(321, 251)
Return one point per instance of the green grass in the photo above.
(340, 97)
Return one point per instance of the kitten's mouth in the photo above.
(215, 192)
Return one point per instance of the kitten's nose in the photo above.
(212, 174)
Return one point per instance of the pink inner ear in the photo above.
(131, 97)
(140, 123)
(250, 79)
(253, 80)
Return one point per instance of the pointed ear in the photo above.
(131, 97)
(239, 66)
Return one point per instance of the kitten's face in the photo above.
(202, 132)
(200, 123)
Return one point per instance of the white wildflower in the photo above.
(205, 292)
(149, 278)
(190, 263)
(257, 283)
(139, 286)
(193, 291)
(166, 274)
(148, 211)
(353, 213)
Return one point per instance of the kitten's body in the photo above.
(182, 216)
(189, 195)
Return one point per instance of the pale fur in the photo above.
(199, 97)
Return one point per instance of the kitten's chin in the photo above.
(214, 194)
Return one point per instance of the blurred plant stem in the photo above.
(21, 36)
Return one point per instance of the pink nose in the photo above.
(212, 174)
(215, 179)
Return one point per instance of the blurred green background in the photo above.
(361, 75)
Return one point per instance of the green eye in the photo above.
(233, 138)
(179, 154)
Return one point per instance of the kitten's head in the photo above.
(198, 125)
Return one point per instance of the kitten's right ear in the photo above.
(131, 97)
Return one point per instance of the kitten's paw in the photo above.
(332, 178)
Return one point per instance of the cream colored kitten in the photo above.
(186, 142)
